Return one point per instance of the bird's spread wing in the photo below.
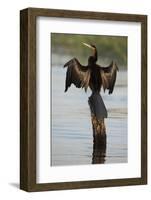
(77, 74)
(108, 76)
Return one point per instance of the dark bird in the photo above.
(93, 76)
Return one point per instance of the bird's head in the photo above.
(91, 46)
(92, 59)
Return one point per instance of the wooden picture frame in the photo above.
(28, 98)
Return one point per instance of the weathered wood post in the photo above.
(98, 113)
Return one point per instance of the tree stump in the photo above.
(99, 140)
(98, 126)
(98, 113)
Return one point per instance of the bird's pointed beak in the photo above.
(87, 45)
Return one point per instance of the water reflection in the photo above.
(99, 149)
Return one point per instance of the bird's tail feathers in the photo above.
(97, 106)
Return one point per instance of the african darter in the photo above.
(93, 76)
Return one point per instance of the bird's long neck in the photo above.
(95, 55)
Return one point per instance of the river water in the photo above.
(72, 136)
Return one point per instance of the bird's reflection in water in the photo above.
(99, 149)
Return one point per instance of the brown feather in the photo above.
(108, 76)
(77, 74)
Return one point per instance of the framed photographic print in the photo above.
(83, 99)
